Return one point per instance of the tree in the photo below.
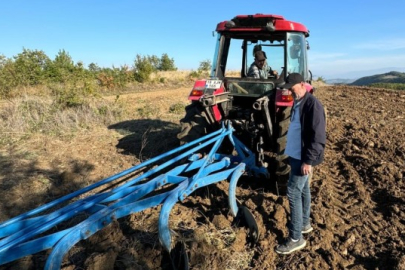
(166, 64)
(143, 68)
(7, 76)
(61, 68)
(205, 66)
(94, 68)
(29, 67)
(155, 61)
(3, 60)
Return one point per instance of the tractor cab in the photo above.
(283, 43)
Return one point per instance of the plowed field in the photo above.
(358, 201)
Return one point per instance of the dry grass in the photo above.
(184, 75)
(42, 142)
(35, 111)
(233, 73)
(172, 75)
(33, 114)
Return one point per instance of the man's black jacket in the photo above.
(313, 130)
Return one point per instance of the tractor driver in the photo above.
(259, 68)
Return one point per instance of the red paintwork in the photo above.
(219, 90)
(259, 15)
(280, 24)
(217, 113)
(199, 90)
(280, 101)
(199, 86)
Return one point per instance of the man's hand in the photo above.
(275, 74)
(306, 169)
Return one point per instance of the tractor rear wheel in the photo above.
(194, 125)
(282, 166)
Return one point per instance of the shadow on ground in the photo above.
(21, 173)
(146, 138)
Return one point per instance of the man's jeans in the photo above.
(299, 196)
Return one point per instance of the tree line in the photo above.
(34, 68)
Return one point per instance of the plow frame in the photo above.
(34, 231)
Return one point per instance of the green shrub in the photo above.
(69, 98)
(205, 66)
(29, 66)
(72, 94)
(146, 111)
(61, 69)
(105, 80)
(94, 68)
(202, 71)
(166, 64)
(7, 77)
(194, 74)
(112, 78)
(320, 79)
(154, 60)
(177, 108)
(143, 68)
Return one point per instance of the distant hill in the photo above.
(354, 75)
(390, 77)
(339, 81)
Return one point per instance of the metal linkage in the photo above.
(34, 231)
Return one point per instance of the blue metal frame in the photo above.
(24, 234)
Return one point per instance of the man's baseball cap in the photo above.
(259, 55)
(292, 80)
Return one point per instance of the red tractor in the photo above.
(259, 109)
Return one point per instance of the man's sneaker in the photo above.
(307, 229)
(289, 246)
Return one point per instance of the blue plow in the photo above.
(34, 231)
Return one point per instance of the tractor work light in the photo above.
(270, 27)
(287, 97)
(198, 89)
(196, 92)
(230, 24)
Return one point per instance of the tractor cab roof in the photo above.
(259, 24)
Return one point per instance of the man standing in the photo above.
(306, 139)
(259, 68)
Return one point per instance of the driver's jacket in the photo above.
(256, 72)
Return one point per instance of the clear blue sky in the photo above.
(347, 36)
